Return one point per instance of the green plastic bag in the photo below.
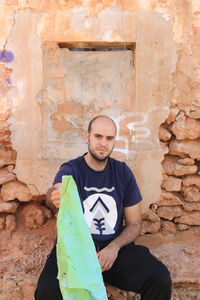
(79, 271)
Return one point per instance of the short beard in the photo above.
(97, 158)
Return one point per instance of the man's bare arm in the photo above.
(53, 197)
(132, 230)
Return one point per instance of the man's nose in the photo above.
(103, 142)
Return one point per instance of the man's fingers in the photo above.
(105, 264)
(55, 198)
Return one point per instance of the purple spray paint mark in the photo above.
(9, 81)
(6, 56)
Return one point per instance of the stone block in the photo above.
(6, 175)
(192, 180)
(172, 167)
(169, 199)
(190, 188)
(115, 293)
(10, 223)
(35, 215)
(172, 184)
(151, 216)
(182, 227)
(172, 115)
(150, 227)
(189, 219)
(191, 206)
(184, 148)
(193, 114)
(193, 197)
(4, 129)
(168, 228)
(164, 134)
(186, 161)
(8, 207)
(170, 212)
(7, 157)
(15, 190)
(2, 222)
(186, 129)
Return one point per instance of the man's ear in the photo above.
(86, 136)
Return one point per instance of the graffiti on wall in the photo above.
(132, 130)
(6, 57)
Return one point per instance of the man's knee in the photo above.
(162, 277)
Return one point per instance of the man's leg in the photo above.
(48, 285)
(137, 270)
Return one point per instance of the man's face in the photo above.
(101, 139)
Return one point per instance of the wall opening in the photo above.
(81, 80)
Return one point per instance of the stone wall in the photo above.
(158, 120)
(178, 208)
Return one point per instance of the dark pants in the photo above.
(135, 269)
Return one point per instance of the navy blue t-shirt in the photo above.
(103, 194)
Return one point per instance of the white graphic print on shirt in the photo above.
(100, 212)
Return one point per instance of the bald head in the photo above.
(100, 118)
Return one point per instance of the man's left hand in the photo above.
(107, 257)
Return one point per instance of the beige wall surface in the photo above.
(45, 94)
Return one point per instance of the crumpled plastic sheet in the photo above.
(79, 271)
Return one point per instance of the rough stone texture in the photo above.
(181, 254)
(169, 213)
(193, 114)
(150, 227)
(164, 134)
(7, 157)
(172, 167)
(172, 184)
(168, 228)
(172, 115)
(114, 293)
(8, 207)
(10, 223)
(6, 175)
(191, 206)
(35, 215)
(186, 161)
(185, 147)
(186, 128)
(189, 219)
(2, 222)
(192, 180)
(23, 257)
(151, 216)
(190, 188)
(168, 198)
(193, 197)
(15, 190)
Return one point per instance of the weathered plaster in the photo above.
(34, 133)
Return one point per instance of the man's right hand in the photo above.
(55, 198)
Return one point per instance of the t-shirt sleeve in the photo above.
(132, 193)
(65, 169)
